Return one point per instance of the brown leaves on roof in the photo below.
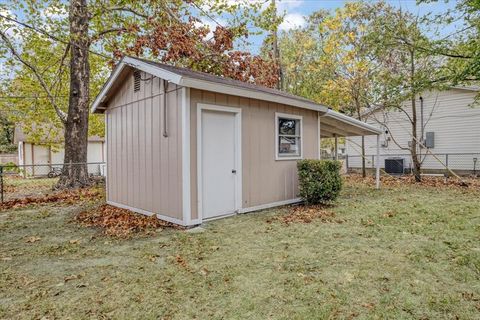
(120, 223)
(64, 197)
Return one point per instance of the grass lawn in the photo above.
(404, 252)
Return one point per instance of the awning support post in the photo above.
(377, 169)
(336, 147)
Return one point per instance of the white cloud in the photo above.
(55, 12)
(287, 5)
(292, 21)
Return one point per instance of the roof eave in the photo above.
(355, 122)
(243, 92)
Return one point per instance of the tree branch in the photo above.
(100, 34)
(62, 115)
(49, 35)
(124, 9)
(393, 139)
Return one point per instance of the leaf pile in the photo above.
(307, 214)
(427, 181)
(120, 223)
(65, 196)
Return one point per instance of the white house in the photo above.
(40, 158)
(450, 130)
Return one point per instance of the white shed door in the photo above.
(218, 163)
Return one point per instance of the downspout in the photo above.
(421, 119)
(165, 114)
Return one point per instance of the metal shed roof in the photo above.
(332, 123)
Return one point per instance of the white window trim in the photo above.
(293, 117)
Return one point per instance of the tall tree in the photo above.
(363, 57)
(169, 29)
(76, 122)
(396, 37)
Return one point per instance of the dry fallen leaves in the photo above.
(72, 277)
(307, 214)
(33, 239)
(181, 261)
(473, 184)
(120, 223)
(66, 196)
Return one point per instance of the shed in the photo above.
(37, 158)
(189, 146)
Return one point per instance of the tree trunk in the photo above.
(75, 172)
(359, 116)
(413, 146)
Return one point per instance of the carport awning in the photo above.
(335, 124)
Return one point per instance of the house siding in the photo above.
(264, 180)
(448, 114)
(43, 156)
(144, 167)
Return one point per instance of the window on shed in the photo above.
(136, 80)
(288, 136)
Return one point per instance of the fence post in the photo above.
(446, 164)
(346, 162)
(1, 181)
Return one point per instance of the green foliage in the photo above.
(460, 49)
(10, 167)
(319, 180)
(358, 57)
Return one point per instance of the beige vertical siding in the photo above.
(264, 179)
(143, 166)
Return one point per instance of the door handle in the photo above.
(234, 171)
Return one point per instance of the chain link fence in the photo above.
(464, 164)
(21, 181)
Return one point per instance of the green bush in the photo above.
(10, 167)
(319, 180)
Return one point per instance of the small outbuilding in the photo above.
(190, 147)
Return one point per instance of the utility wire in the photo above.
(51, 36)
(29, 97)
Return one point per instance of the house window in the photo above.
(288, 134)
